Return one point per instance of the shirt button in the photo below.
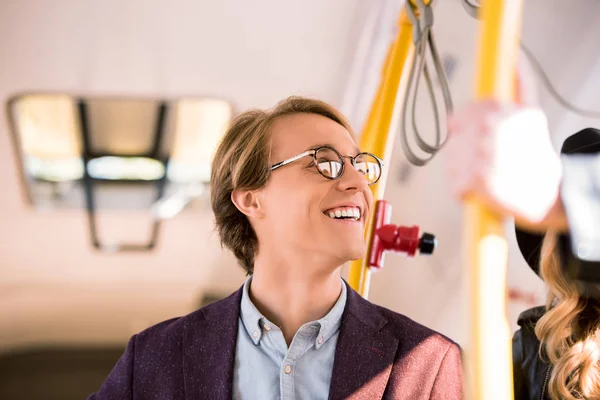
(288, 369)
(320, 341)
(255, 334)
(267, 327)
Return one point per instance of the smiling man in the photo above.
(290, 193)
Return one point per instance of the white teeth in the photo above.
(353, 213)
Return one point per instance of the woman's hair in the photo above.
(242, 162)
(569, 331)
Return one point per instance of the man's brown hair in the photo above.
(242, 162)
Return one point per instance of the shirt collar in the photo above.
(331, 322)
(251, 317)
(254, 322)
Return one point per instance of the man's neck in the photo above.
(289, 296)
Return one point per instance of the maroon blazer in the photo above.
(379, 355)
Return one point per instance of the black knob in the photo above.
(427, 243)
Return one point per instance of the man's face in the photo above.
(298, 202)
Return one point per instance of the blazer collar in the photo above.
(365, 354)
(209, 343)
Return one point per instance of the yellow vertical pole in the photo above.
(380, 123)
(489, 361)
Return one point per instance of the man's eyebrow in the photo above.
(356, 149)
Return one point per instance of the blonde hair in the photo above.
(242, 162)
(569, 331)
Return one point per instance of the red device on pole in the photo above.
(401, 239)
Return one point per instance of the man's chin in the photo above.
(357, 253)
(346, 252)
(355, 257)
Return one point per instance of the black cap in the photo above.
(427, 243)
(586, 141)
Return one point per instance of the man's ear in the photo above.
(248, 202)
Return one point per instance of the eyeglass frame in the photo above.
(313, 153)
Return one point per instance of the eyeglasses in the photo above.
(330, 163)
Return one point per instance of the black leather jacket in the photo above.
(530, 372)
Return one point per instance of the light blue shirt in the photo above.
(265, 368)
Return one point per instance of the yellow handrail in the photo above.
(489, 360)
(377, 136)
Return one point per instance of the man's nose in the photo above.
(352, 179)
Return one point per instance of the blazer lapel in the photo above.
(364, 355)
(209, 344)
